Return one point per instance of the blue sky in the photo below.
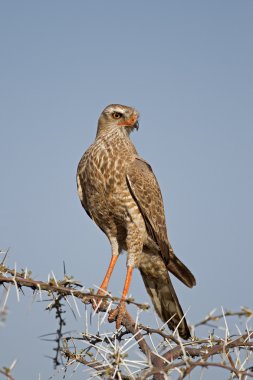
(187, 67)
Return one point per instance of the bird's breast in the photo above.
(103, 178)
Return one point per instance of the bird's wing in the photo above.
(81, 184)
(145, 190)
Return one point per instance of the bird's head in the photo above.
(117, 116)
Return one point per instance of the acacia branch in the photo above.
(245, 312)
(205, 352)
(179, 358)
(6, 372)
(64, 288)
(200, 363)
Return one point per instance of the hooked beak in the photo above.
(132, 122)
(136, 125)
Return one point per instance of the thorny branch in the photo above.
(245, 312)
(57, 305)
(109, 355)
(158, 365)
(66, 287)
(6, 373)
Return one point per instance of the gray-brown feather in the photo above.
(146, 191)
(162, 293)
(120, 193)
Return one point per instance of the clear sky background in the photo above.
(187, 66)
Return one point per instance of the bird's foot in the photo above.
(117, 314)
(100, 304)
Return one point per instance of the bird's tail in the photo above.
(162, 293)
(179, 270)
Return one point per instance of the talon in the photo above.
(117, 314)
(98, 304)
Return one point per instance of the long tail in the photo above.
(162, 293)
(179, 270)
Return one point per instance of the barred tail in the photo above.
(159, 287)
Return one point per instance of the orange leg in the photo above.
(118, 314)
(113, 261)
(104, 284)
(127, 283)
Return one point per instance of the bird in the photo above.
(120, 193)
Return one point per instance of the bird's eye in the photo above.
(116, 115)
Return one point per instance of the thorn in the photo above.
(16, 286)
(74, 300)
(6, 298)
(64, 269)
(5, 255)
(183, 317)
(54, 278)
(40, 292)
(13, 364)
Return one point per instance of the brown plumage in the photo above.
(119, 191)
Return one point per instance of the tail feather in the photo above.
(175, 266)
(162, 293)
(179, 270)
